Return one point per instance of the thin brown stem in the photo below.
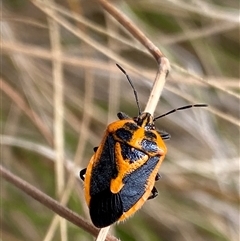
(162, 61)
(133, 29)
(50, 203)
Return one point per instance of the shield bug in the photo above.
(122, 172)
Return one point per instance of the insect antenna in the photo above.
(134, 91)
(180, 108)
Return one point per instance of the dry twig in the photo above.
(50, 203)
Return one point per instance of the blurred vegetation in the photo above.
(199, 189)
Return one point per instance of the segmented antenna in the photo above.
(180, 108)
(134, 91)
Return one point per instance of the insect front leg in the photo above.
(82, 173)
(123, 116)
(164, 135)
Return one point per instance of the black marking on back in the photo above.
(131, 126)
(105, 168)
(149, 146)
(124, 134)
(105, 208)
(131, 153)
(135, 182)
(150, 135)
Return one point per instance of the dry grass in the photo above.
(199, 190)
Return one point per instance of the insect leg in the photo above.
(123, 116)
(154, 193)
(164, 135)
(82, 173)
(158, 176)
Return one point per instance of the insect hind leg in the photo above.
(158, 177)
(154, 193)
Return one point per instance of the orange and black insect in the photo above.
(121, 174)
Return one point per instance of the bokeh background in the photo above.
(59, 82)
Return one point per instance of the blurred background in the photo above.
(60, 88)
